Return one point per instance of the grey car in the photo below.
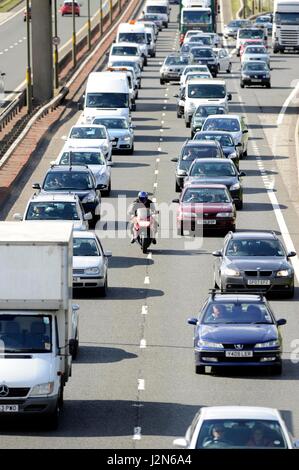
(231, 29)
(255, 73)
(173, 67)
(121, 134)
(255, 261)
(90, 262)
(226, 141)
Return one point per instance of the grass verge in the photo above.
(8, 5)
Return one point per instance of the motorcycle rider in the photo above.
(142, 202)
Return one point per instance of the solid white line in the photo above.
(287, 104)
(144, 310)
(146, 280)
(137, 434)
(141, 384)
(156, 172)
(142, 343)
(12, 16)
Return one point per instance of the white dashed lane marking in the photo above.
(141, 384)
(144, 310)
(142, 343)
(137, 433)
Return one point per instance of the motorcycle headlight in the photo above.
(91, 271)
(42, 389)
(234, 186)
(230, 272)
(283, 273)
(88, 198)
(209, 344)
(268, 344)
(224, 214)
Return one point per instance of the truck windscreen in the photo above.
(25, 333)
(287, 18)
(196, 16)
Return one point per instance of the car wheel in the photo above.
(145, 61)
(52, 419)
(200, 369)
(108, 190)
(131, 151)
(76, 347)
(245, 154)
(268, 85)
(291, 293)
(242, 85)
(277, 369)
(239, 205)
(178, 115)
(232, 228)
(215, 282)
(229, 68)
(161, 82)
(139, 85)
(104, 290)
(180, 230)
(187, 123)
(136, 97)
(134, 107)
(177, 187)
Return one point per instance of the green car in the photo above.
(200, 115)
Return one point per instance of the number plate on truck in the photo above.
(9, 408)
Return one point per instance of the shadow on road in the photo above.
(101, 355)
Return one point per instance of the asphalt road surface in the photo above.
(133, 384)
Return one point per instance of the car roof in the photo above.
(65, 168)
(239, 412)
(68, 147)
(207, 81)
(84, 234)
(97, 126)
(224, 116)
(198, 143)
(215, 132)
(230, 297)
(54, 197)
(202, 185)
(220, 161)
(257, 234)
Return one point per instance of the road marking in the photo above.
(137, 433)
(162, 122)
(146, 280)
(163, 114)
(11, 47)
(164, 107)
(155, 185)
(1, 53)
(287, 104)
(141, 384)
(12, 16)
(150, 256)
(142, 343)
(20, 40)
(161, 130)
(156, 172)
(5, 50)
(144, 310)
(157, 160)
(16, 43)
(159, 149)
(161, 139)
(165, 101)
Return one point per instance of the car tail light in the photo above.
(182, 36)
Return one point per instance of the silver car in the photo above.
(90, 263)
(173, 67)
(94, 159)
(231, 29)
(120, 132)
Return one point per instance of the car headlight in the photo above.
(268, 344)
(181, 172)
(209, 344)
(88, 198)
(187, 214)
(247, 77)
(42, 389)
(126, 138)
(234, 186)
(230, 272)
(91, 271)
(283, 273)
(224, 214)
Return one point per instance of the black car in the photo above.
(254, 260)
(205, 55)
(200, 115)
(226, 141)
(74, 180)
(255, 73)
(237, 330)
(191, 151)
(222, 171)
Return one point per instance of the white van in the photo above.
(151, 45)
(158, 7)
(106, 93)
(131, 83)
(125, 50)
(135, 33)
(204, 91)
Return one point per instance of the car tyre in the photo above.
(200, 370)
(161, 82)
(103, 291)
(291, 293)
(180, 230)
(52, 419)
(242, 85)
(131, 150)
(239, 205)
(277, 369)
(177, 187)
(229, 68)
(178, 115)
(187, 123)
(108, 190)
(268, 85)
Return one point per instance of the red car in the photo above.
(205, 206)
(251, 42)
(67, 8)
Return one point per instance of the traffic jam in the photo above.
(239, 324)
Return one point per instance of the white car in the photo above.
(224, 59)
(190, 33)
(237, 427)
(256, 53)
(192, 68)
(90, 263)
(125, 50)
(58, 207)
(91, 157)
(91, 136)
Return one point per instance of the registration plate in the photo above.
(238, 353)
(9, 408)
(206, 222)
(258, 282)
(256, 80)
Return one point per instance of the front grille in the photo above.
(18, 392)
(289, 37)
(231, 347)
(78, 271)
(258, 273)
(15, 401)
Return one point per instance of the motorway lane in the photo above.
(103, 404)
(13, 35)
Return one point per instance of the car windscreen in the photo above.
(88, 133)
(199, 76)
(68, 181)
(227, 124)
(85, 247)
(124, 63)
(202, 151)
(236, 312)
(205, 40)
(181, 60)
(260, 67)
(139, 38)
(157, 9)
(208, 91)
(125, 50)
(224, 140)
(196, 16)
(251, 433)
(26, 333)
(251, 33)
(255, 50)
(206, 196)
(82, 158)
(195, 68)
(112, 123)
(107, 100)
(199, 52)
(204, 111)
(254, 247)
(217, 169)
(52, 211)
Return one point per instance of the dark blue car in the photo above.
(237, 330)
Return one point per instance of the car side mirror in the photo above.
(181, 442)
(175, 159)
(291, 254)
(109, 163)
(100, 186)
(192, 321)
(239, 144)
(281, 322)
(108, 254)
(88, 216)
(296, 444)
(176, 201)
(17, 216)
(217, 253)
(36, 186)
(75, 307)
(176, 95)
(245, 131)
(229, 97)
(242, 173)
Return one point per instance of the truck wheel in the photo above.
(76, 347)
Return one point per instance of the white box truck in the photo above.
(38, 323)
(285, 26)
